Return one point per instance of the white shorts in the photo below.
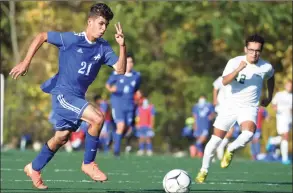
(229, 115)
(284, 124)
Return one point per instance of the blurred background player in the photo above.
(145, 119)
(203, 113)
(106, 132)
(282, 103)
(76, 140)
(130, 133)
(218, 98)
(123, 88)
(262, 115)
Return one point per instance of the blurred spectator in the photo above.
(262, 115)
(203, 113)
(282, 103)
(145, 118)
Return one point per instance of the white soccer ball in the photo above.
(176, 180)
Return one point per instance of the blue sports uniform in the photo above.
(123, 99)
(202, 121)
(79, 63)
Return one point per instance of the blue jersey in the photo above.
(201, 114)
(126, 85)
(79, 62)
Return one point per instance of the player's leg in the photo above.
(222, 124)
(95, 118)
(284, 148)
(33, 169)
(141, 141)
(104, 138)
(149, 145)
(192, 147)
(119, 118)
(255, 144)
(130, 135)
(283, 127)
(107, 137)
(247, 121)
(224, 143)
(200, 141)
(66, 119)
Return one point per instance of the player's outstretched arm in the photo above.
(271, 87)
(120, 66)
(22, 67)
(230, 77)
(111, 88)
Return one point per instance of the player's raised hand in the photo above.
(19, 69)
(119, 36)
(242, 65)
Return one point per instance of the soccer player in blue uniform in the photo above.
(81, 55)
(123, 88)
(203, 113)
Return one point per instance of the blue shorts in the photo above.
(187, 131)
(121, 115)
(144, 132)
(201, 132)
(67, 110)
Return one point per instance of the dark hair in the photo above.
(101, 9)
(97, 97)
(255, 38)
(202, 95)
(130, 55)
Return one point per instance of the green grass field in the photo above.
(142, 174)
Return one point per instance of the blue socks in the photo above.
(117, 144)
(149, 146)
(199, 146)
(91, 146)
(255, 149)
(141, 146)
(42, 158)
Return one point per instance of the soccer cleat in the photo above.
(201, 176)
(149, 153)
(35, 177)
(140, 153)
(286, 162)
(268, 146)
(93, 171)
(226, 160)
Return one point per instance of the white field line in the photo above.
(230, 182)
(125, 173)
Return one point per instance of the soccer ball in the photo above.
(176, 180)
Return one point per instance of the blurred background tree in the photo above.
(180, 48)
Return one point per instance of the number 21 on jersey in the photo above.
(85, 68)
